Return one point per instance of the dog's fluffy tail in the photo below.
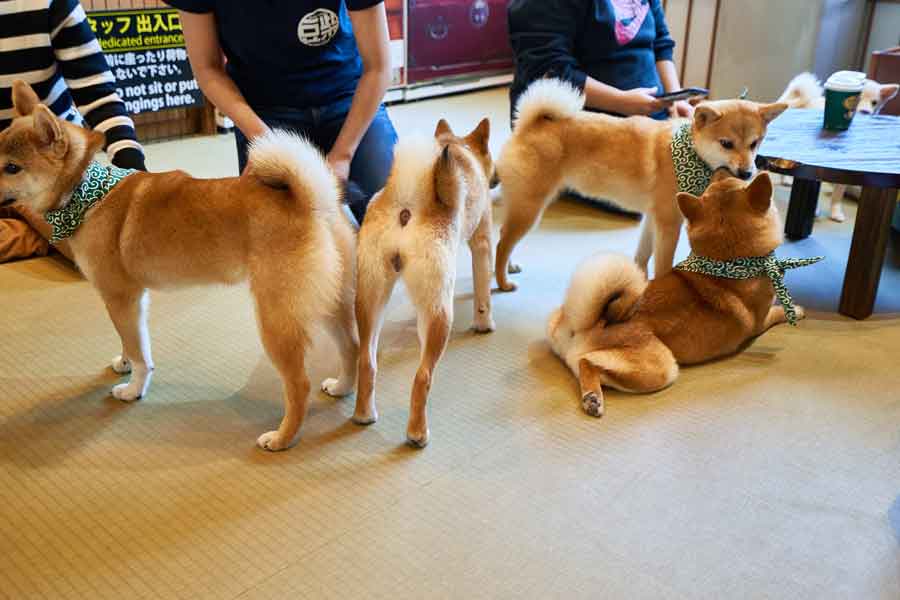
(605, 287)
(802, 91)
(548, 99)
(282, 159)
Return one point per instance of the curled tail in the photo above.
(282, 159)
(802, 91)
(548, 99)
(604, 287)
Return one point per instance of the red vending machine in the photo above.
(448, 39)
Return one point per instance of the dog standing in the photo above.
(436, 197)
(556, 145)
(279, 226)
(805, 91)
(614, 329)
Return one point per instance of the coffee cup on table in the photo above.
(842, 92)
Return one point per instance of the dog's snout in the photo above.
(744, 174)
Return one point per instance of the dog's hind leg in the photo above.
(482, 267)
(531, 198)
(128, 311)
(434, 331)
(285, 340)
(342, 328)
(837, 203)
(645, 246)
(642, 368)
(375, 281)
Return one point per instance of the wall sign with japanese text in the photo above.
(145, 52)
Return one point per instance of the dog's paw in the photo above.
(417, 439)
(507, 286)
(838, 215)
(513, 268)
(800, 311)
(365, 417)
(121, 365)
(127, 392)
(336, 387)
(272, 442)
(484, 324)
(592, 404)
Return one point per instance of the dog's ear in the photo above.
(443, 127)
(24, 98)
(888, 91)
(759, 192)
(480, 137)
(690, 205)
(768, 112)
(446, 178)
(706, 114)
(48, 130)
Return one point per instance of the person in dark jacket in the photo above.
(619, 52)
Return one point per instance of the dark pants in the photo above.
(371, 164)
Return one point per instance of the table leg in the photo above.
(802, 208)
(870, 237)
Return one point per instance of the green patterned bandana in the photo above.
(693, 174)
(750, 267)
(95, 184)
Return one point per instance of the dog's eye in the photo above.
(11, 168)
(754, 144)
(727, 144)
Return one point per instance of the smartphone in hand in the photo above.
(683, 94)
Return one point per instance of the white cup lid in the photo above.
(846, 81)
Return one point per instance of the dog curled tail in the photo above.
(548, 99)
(605, 287)
(282, 159)
(802, 91)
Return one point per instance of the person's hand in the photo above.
(640, 101)
(340, 164)
(682, 108)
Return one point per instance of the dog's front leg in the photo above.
(645, 246)
(128, 312)
(482, 268)
(665, 237)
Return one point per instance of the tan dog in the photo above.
(805, 91)
(279, 226)
(556, 145)
(616, 330)
(436, 197)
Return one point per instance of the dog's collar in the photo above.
(692, 173)
(96, 182)
(749, 267)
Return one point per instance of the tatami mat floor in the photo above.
(772, 474)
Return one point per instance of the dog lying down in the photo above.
(614, 329)
(278, 226)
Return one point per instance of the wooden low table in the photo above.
(867, 154)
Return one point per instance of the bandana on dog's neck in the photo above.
(692, 173)
(95, 184)
(750, 267)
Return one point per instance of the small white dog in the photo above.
(805, 91)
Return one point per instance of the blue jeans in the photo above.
(371, 164)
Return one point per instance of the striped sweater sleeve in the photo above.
(91, 83)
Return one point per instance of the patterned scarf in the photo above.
(693, 174)
(95, 184)
(750, 267)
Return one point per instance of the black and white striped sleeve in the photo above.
(91, 82)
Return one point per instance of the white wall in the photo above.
(885, 28)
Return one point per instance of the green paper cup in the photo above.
(842, 92)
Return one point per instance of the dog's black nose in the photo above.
(743, 174)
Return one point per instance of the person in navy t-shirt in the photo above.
(619, 52)
(317, 67)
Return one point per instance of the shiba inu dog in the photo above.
(279, 226)
(436, 198)
(556, 145)
(805, 91)
(614, 329)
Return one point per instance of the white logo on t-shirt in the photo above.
(318, 27)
